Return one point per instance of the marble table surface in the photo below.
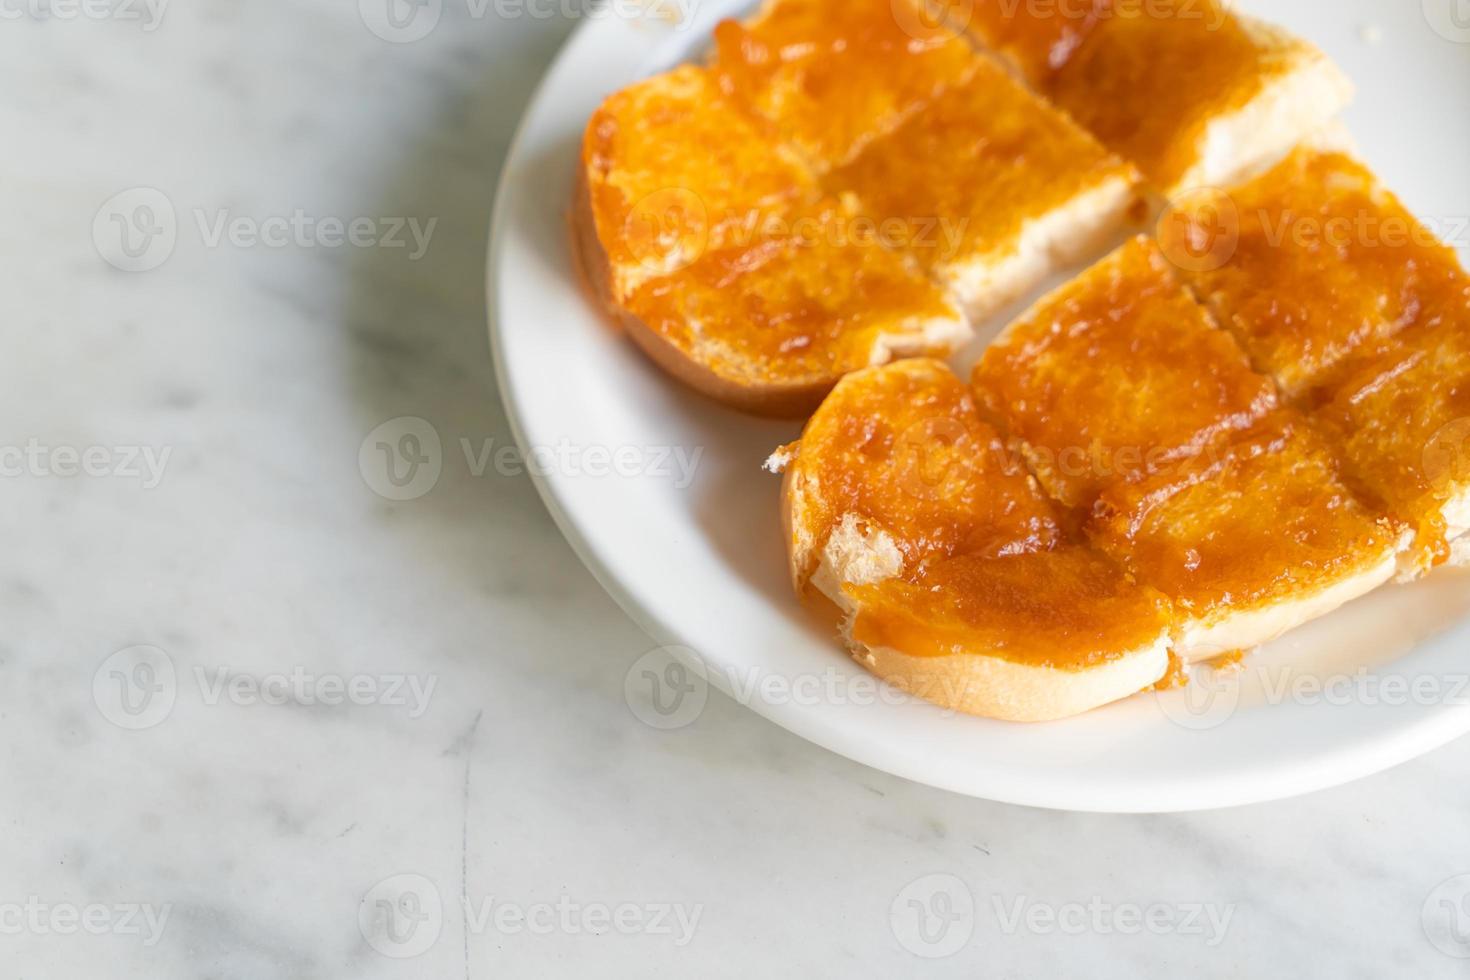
(261, 721)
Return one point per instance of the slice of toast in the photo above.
(1116, 375)
(1401, 419)
(828, 76)
(991, 190)
(1033, 39)
(724, 262)
(1250, 539)
(1360, 315)
(1308, 264)
(771, 324)
(669, 170)
(958, 581)
(1192, 93)
(1138, 412)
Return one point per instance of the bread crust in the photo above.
(977, 682)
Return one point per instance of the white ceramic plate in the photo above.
(702, 565)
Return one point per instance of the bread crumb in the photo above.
(1371, 34)
(781, 458)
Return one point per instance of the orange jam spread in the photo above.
(673, 169)
(960, 178)
(1149, 78)
(829, 76)
(1401, 421)
(903, 448)
(1317, 261)
(1070, 608)
(1258, 520)
(986, 565)
(1118, 374)
(1038, 38)
(802, 300)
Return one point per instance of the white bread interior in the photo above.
(1457, 528)
(1302, 100)
(1077, 231)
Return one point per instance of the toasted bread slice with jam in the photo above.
(1401, 419)
(1360, 314)
(1308, 264)
(771, 325)
(959, 581)
(1137, 411)
(830, 76)
(1194, 94)
(670, 169)
(725, 263)
(991, 189)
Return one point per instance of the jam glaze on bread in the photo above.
(724, 261)
(882, 114)
(1194, 477)
(995, 550)
(1362, 317)
(1193, 93)
(960, 581)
